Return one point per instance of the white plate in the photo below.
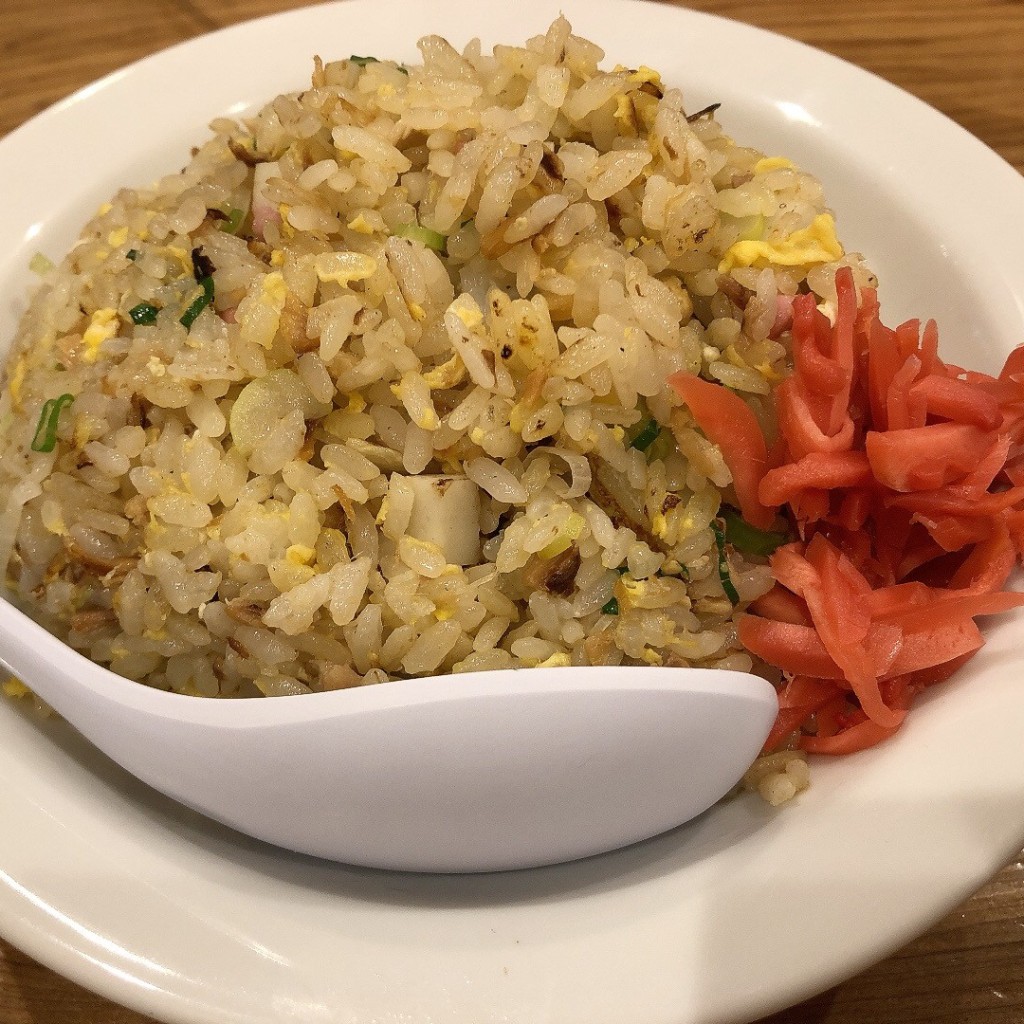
(734, 916)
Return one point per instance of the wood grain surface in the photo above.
(965, 57)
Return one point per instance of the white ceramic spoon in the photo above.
(475, 772)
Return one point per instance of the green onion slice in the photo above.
(431, 239)
(144, 313)
(45, 438)
(188, 318)
(363, 61)
(723, 564)
(612, 607)
(664, 445)
(234, 221)
(133, 254)
(40, 264)
(749, 539)
(647, 436)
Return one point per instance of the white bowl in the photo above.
(739, 913)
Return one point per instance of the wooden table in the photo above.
(965, 57)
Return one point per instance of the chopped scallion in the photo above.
(363, 61)
(45, 438)
(40, 264)
(233, 222)
(133, 254)
(723, 564)
(188, 318)
(431, 239)
(664, 445)
(144, 313)
(749, 539)
(647, 436)
(612, 607)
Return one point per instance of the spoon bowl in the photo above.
(479, 771)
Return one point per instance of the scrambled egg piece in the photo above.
(469, 315)
(15, 688)
(558, 660)
(360, 225)
(291, 571)
(52, 519)
(17, 380)
(641, 74)
(645, 74)
(83, 432)
(102, 327)
(631, 590)
(427, 418)
(570, 531)
(447, 375)
(274, 291)
(299, 554)
(817, 243)
(286, 229)
(773, 163)
(518, 413)
(624, 113)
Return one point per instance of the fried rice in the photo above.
(375, 386)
